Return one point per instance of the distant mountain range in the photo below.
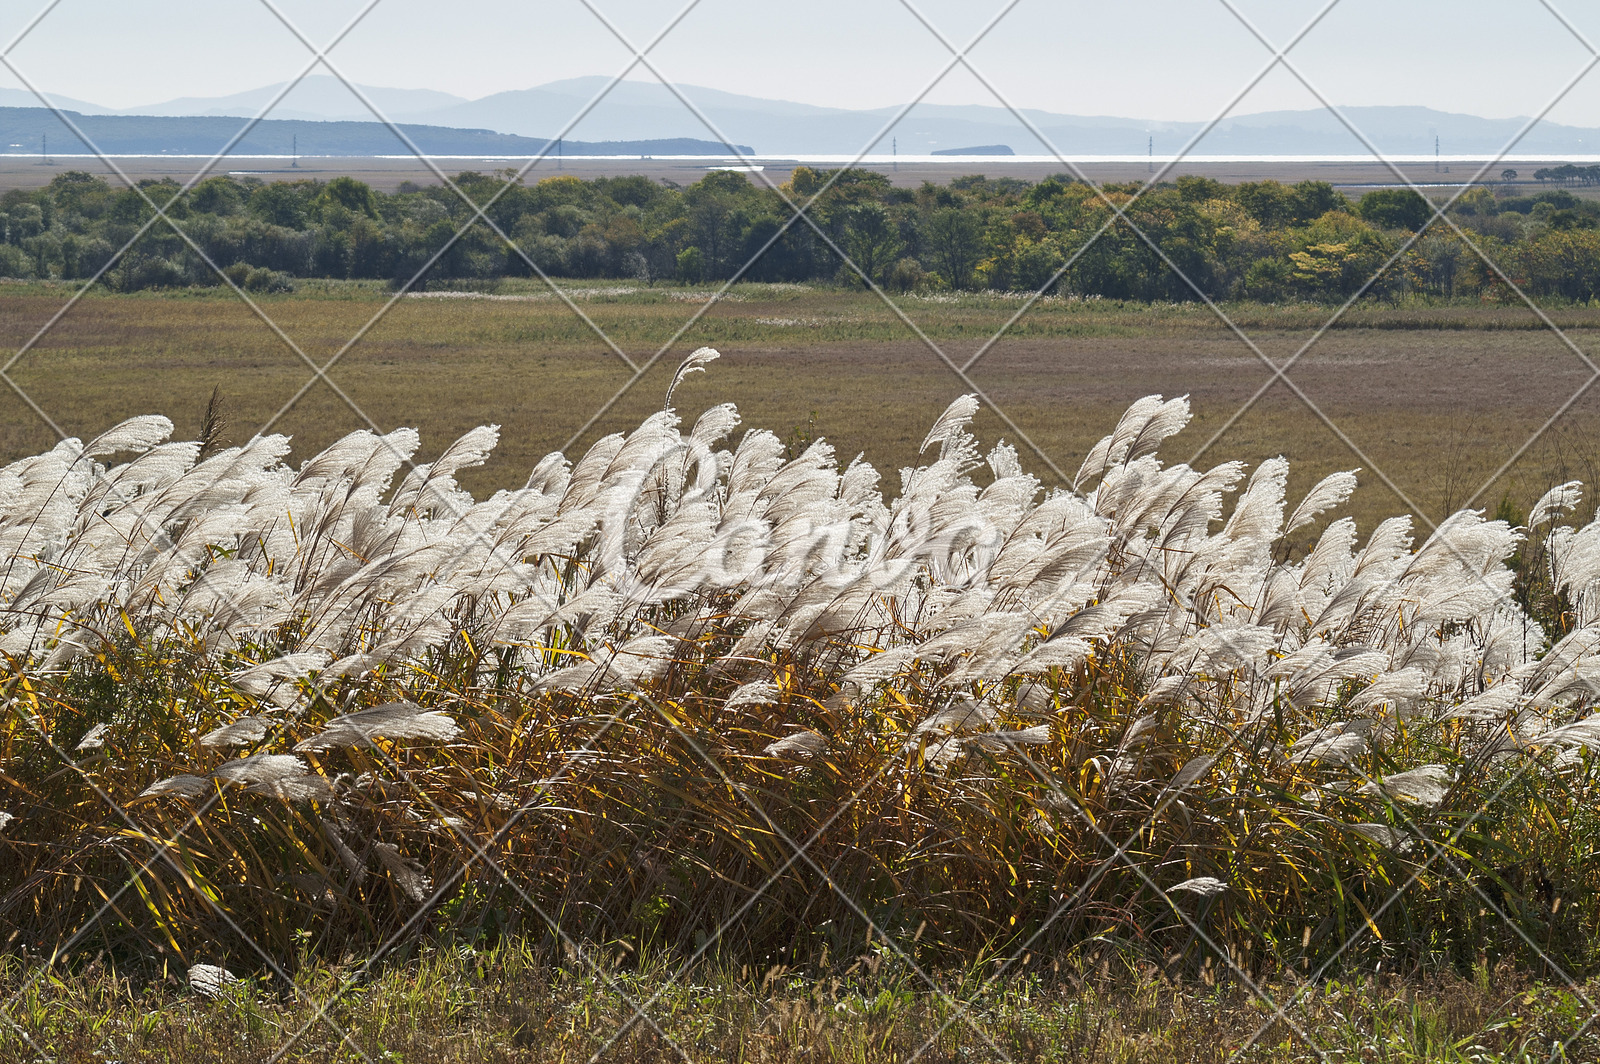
(329, 119)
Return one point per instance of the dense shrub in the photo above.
(1257, 240)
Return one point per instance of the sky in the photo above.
(1152, 59)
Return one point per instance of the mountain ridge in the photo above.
(640, 111)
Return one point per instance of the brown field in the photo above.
(1433, 399)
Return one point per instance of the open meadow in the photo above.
(1437, 399)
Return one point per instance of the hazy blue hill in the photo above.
(158, 135)
(24, 98)
(318, 97)
(637, 110)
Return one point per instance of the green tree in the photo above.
(691, 265)
(953, 238)
(871, 240)
(348, 193)
(1197, 189)
(1310, 200)
(1395, 208)
(1270, 203)
(282, 203)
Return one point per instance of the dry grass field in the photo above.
(993, 842)
(1436, 399)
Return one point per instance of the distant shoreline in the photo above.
(886, 160)
(1355, 173)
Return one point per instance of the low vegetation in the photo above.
(1262, 240)
(723, 700)
(512, 1003)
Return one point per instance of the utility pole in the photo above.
(894, 146)
(44, 148)
(558, 153)
(1150, 167)
(294, 160)
(1436, 153)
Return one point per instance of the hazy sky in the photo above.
(1163, 59)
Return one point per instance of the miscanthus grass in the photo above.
(689, 694)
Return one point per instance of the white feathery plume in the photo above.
(135, 434)
(208, 980)
(259, 769)
(1340, 742)
(185, 785)
(393, 721)
(1192, 771)
(999, 742)
(93, 740)
(407, 875)
(951, 424)
(803, 745)
(1495, 704)
(1426, 785)
(714, 424)
(1332, 490)
(1148, 420)
(1556, 503)
(1383, 835)
(1585, 732)
(243, 732)
(755, 693)
(962, 715)
(1201, 886)
(696, 362)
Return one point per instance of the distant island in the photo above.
(982, 149)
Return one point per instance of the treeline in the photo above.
(1261, 240)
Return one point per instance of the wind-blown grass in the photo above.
(694, 696)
